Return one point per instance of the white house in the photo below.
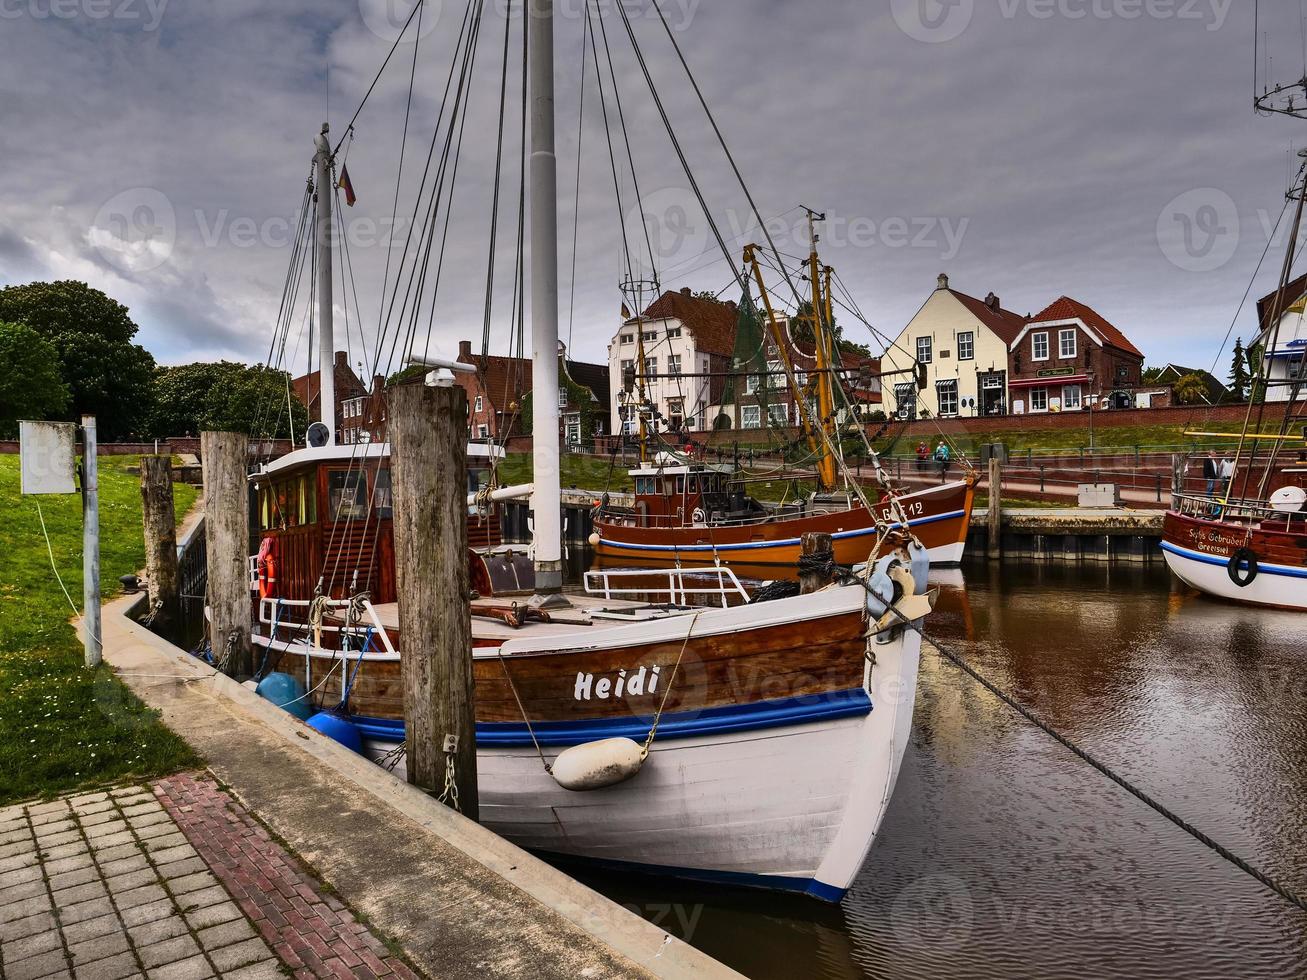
(1284, 365)
(963, 343)
(687, 340)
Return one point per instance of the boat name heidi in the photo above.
(643, 681)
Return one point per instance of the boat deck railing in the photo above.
(679, 590)
(273, 615)
(1217, 506)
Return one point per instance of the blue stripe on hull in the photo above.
(780, 543)
(759, 716)
(735, 879)
(1283, 570)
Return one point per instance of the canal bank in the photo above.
(457, 899)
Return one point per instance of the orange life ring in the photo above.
(267, 565)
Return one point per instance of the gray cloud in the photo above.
(1031, 155)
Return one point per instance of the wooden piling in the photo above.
(160, 525)
(227, 539)
(994, 545)
(428, 435)
(814, 544)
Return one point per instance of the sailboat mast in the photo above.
(326, 331)
(546, 502)
(826, 474)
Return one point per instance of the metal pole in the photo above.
(326, 331)
(547, 500)
(90, 544)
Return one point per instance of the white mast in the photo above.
(326, 333)
(546, 502)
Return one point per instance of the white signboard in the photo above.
(48, 453)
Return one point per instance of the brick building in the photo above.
(308, 389)
(1069, 357)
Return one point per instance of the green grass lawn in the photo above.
(1153, 438)
(63, 727)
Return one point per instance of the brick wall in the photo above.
(173, 447)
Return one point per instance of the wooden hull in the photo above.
(939, 516)
(774, 761)
(1199, 552)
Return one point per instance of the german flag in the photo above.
(348, 187)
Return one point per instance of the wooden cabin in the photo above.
(326, 515)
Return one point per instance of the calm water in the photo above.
(1002, 855)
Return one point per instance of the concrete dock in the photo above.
(1073, 534)
(456, 899)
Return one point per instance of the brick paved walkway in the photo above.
(175, 882)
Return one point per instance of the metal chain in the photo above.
(449, 796)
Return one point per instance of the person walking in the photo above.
(1211, 471)
(1225, 474)
(942, 456)
(923, 454)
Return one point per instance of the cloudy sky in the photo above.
(1104, 149)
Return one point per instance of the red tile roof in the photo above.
(1004, 323)
(712, 323)
(1292, 294)
(1066, 308)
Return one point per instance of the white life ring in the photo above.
(699, 517)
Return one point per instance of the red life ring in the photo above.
(267, 565)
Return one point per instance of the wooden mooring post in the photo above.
(227, 544)
(816, 545)
(428, 435)
(994, 543)
(158, 518)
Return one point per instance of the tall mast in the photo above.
(326, 332)
(546, 502)
(826, 474)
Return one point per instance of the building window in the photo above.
(1071, 400)
(650, 367)
(481, 404)
(1295, 367)
(1039, 399)
(948, 398)
(674, 365)
(779, 415)
(1066, 343)
(651, 335)
(925, 349)
(751, 417)
(562, 398)
(483, 432)
(673, 333)
(967, 346)
(628, 338)
(751, 384)
(1039, 347)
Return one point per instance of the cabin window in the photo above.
(680, 485)
(382, 498)
(308, 500)
(347, 493)
(264, 508)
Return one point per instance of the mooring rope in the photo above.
(958, 661)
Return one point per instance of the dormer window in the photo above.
(1039, 347)
(1066, 344)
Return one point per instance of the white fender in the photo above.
(596, 765)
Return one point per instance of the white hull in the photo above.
(1276, 585)
(796, 807)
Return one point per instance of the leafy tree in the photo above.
(1239, 376)
(225, 396)
(1190, 389)
(30, 386)
(1151, 375)
(709, 296)
(107, 375)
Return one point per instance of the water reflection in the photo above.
(1002, 855)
